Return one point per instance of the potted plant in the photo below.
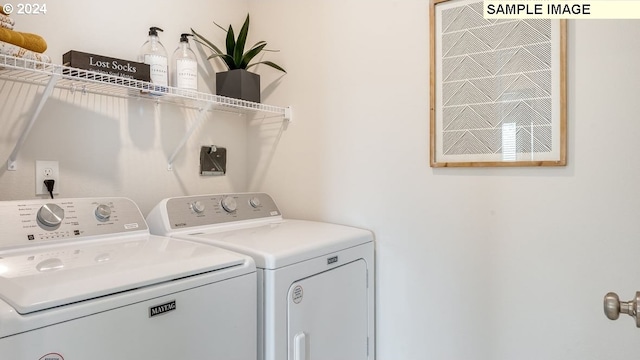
(237, 82)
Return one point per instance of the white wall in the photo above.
(472, 263)
(108, 146)
(483, 264)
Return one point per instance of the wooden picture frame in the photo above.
(498, 88)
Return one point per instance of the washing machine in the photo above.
(315, 280)
(83, 279)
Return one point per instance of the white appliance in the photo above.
(83, 279)
(315, 280)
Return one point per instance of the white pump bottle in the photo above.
(184, 66)
(154, 54)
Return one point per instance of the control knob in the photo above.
(254, 202)
(50, 215)
(103, 212)
(197, 207)
(229, 204)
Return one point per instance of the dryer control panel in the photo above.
(46, 220)
(192, 211)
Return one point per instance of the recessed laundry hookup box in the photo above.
(104, 65)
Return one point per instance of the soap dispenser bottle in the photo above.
(154, 54)
(184, 66)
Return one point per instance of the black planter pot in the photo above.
(238, 84)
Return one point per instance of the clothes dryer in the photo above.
(315, 280)
(84, 279)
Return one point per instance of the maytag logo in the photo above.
(162, 309)
(179, 225)
(332, 260)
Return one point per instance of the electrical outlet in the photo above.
(47, 170)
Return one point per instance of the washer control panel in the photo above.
(191, 211)
(35, 221)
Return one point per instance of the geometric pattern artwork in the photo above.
(495, 73)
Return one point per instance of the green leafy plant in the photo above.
(235, 57)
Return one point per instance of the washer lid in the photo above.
(284, 243)
(39, 278)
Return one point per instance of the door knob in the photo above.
(613, 307)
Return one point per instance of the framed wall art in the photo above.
(498, 88)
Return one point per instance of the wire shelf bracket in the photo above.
(187, 135)
(12, 164)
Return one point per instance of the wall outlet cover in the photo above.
(47, 170)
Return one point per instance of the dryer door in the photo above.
(327, 315)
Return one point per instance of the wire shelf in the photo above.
(52, 76)
(72, 79)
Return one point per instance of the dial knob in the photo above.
(229, 204)
(254, 202)
(50, 215)
(103, 212)
(197, 207)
